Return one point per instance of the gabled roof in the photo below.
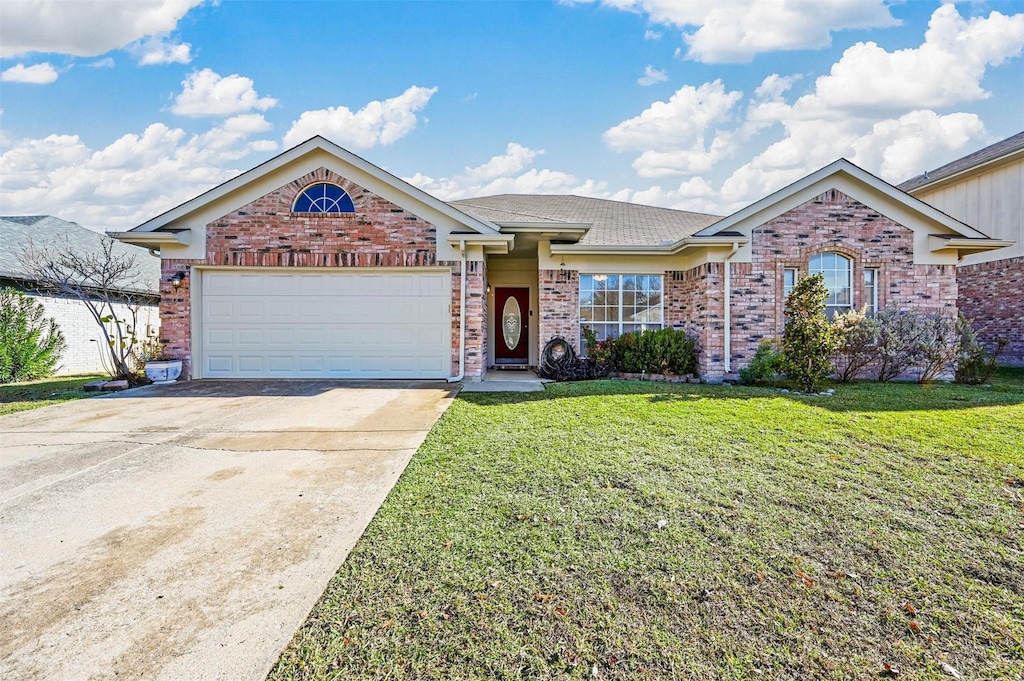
(990, 155)
(850, 179)
(16, 232)
(612, 223)
(363, 168)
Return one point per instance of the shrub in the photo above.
(975, 363)
(808, 341)
(30, 342)
(897, 345)
(764, 365)
(858, 340)
(938, 344)
(662, 351)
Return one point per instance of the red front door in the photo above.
(511, 321)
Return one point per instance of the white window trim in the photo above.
(579, 306)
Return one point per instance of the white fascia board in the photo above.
(937, 242)
(153, 239)
(661, 249)
(497, 244)
(804, 189)
(379, 178)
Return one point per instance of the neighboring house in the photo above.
(986, 189)
(85, 342)
(320, 264)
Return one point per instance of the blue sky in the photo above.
(113, 112)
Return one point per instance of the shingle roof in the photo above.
(17, 230)
(613, 222)
(989, 153)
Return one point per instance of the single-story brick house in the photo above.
(986, 189)
(319, 264)
(86, 341)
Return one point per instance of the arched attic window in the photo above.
(838, 271)
(323, 197)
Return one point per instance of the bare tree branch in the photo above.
(101, 280)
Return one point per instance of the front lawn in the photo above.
(33, 394)
(614, 530)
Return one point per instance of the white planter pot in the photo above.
(163, 372)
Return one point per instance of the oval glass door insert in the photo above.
(511, 322)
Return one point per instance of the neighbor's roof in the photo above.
(979, 158)
(614, 223)
(16, 232)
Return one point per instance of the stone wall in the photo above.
(991, 294)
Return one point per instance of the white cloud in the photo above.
(946, 69)
(652, 76)
(882, 110)
(679, 121)
(379, 122)
(652, 35)
(37, 74)
(160, 49)
(876, 107)
(85, 28)
(206, 93)
(671, 135)
(129, 180)
(507, 173)
(105, 63)
(737, 30)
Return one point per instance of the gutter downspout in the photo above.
(462, 316)
(728, 307)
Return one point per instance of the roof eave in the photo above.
(965, 246)
(857, 173)
(493, 244)
(294, 154)
(942, 180)
(151, 240)
(659, 249)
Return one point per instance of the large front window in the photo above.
(838, 271)
(614, 304)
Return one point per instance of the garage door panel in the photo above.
(332, 324)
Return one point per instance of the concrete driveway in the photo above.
(185, 531)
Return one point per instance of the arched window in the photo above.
(323, 197)
(838, 271)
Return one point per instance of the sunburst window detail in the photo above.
(323, 197)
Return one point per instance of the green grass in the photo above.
(34, 394)
(804, 537)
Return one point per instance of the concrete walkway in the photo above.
(185, 531)
(497, 381)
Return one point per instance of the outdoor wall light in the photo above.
(177, 279)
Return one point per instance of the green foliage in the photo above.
(764, 366)
(809, 340)
(524, 540)
(975, 363)
(151, 349)
(662, 351)
(30, 342)
(858, 338)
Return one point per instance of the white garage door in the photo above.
(350, 324)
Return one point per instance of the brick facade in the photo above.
(831, 222)
(991, 294)
(559, 301)
(694, 302)
(265, 233)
